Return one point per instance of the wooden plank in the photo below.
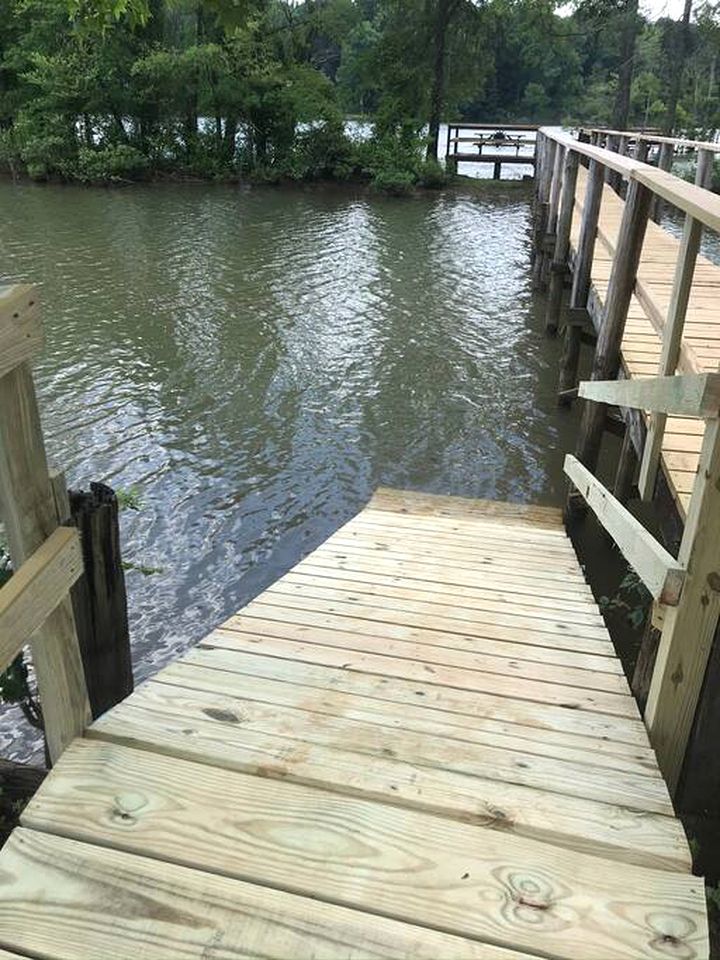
(28, 510)
(516, 687)
(472, 538)
(643, 790)
(78, 900)
(509, 569)
(472, 607)
(543, 715)
(21, 332)
(453, 593)
(692, 395)
(617, 832)
(368, 856)
(411, 501)
(508, 556)
(700, 204)
(661, 573)
(35, 590)
(689, 629)
(256, 693)
(320, 594)
(463, 531)
(442, 573)
(279, 623)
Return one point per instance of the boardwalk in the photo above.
(419, 742)
(642, 340)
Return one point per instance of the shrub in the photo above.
(432, 175)
(110, 163)
(398, 183)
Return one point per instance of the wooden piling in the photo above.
(625, 472)
(100, 601)
(559, 265)
(581, 280)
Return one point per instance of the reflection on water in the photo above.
(256, 362)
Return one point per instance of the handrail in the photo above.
(661, 573)
(701, 204)
(655, 138)
(689, 395)
(21, 334)
(35, 590)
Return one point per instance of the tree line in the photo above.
(97, 90)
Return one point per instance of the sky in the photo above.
(653, 9)
(662, 8)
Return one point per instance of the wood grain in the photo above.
(75, 901)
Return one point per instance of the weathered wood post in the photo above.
(673, 330)
(612, 142)
(542, 208)
(625, 472)
(450, 161)
(559, 264)
(607, 352)
(642, 148)
(581, 280)
(665, 162)
(99, 599)
(28, 510)
(689, 628)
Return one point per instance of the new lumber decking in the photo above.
(642, 340)
(417, 743)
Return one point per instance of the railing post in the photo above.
(688, 628)
(581, 278)
(542, 208)
(673, 331)
(665, 162)
(607, 352)
(28, 510)
(559, 264)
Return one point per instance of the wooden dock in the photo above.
(417, 743)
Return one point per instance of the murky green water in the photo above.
(256, 362)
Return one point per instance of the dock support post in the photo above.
(569, 362)
(497, 169)
(542, 209)
(625, 473)
(581, 279)
(607, 352)
(99, 599)
(559, 265)
(673, 331)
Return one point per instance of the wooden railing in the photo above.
(35, 606)
(686, 590)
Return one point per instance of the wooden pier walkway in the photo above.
(643, 333)
(417, 743)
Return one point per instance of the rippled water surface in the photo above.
(256, 362)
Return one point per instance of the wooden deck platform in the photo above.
(642, 341)
(417, 743)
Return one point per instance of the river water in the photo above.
(255, 362)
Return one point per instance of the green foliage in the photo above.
(102, 91)
(632, 599)
(129, 498)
